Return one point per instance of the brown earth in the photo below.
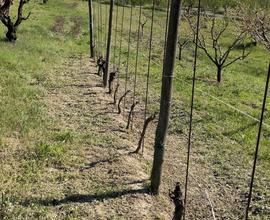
(79, 103)
(99, 178)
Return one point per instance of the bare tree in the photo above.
(142, 24)
(257, 23)
(211, 44)
(5, 18)
(182, 43)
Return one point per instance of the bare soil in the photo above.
(106, 181)
(58, 26)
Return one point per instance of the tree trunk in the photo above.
(166, 91)
(177, 198)
(7, 20)
(145, 125)
(219, 73)
(131, 113)
(11, 33)
(180, 53)
(120, 100)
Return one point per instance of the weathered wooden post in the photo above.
(92, 46)
(109, 40)
(166, 91)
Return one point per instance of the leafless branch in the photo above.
(131, 113)
(120, 100)
(256, 23)
(146, 123)
(20, 17)
(213, 50)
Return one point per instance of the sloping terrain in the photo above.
(90, 171)
(65, 152)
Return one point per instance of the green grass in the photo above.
(242, 86)
(27, 71)
(34, 147)
(220, 132)
(24, 63)
(224, 138)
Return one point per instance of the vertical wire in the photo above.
(136, 62)
(149, 65)
(128, 55)
(192, 106)
(166, 29)
(98, 29)
(115, 36)
(121, 40)
(94, 29)
(105, 28)
(137, 55)
(101, 29)
(257, 144)
(149, 60)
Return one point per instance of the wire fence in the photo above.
(139, 41)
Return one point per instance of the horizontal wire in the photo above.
(217, 99)
(211, 96)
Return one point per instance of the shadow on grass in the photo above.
(99, 162)
(102, 162)
(85, 86)
(89, 73)
(82, 198)
(5, 40)
(105, 113)
(245, 127)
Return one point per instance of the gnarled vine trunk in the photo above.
(11, 33)
(6, 19)
(4, 8)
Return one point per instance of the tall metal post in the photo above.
(166, 92)
(92, 46)
(109, 40)
(258, 144)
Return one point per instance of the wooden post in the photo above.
(166, 91)
(109, 40)
(92, 46)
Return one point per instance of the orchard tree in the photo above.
(6, 19)
(256, 23)
(211, 41)
(182, 42)
(142, 25)
(184, 38)
(212, 5)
